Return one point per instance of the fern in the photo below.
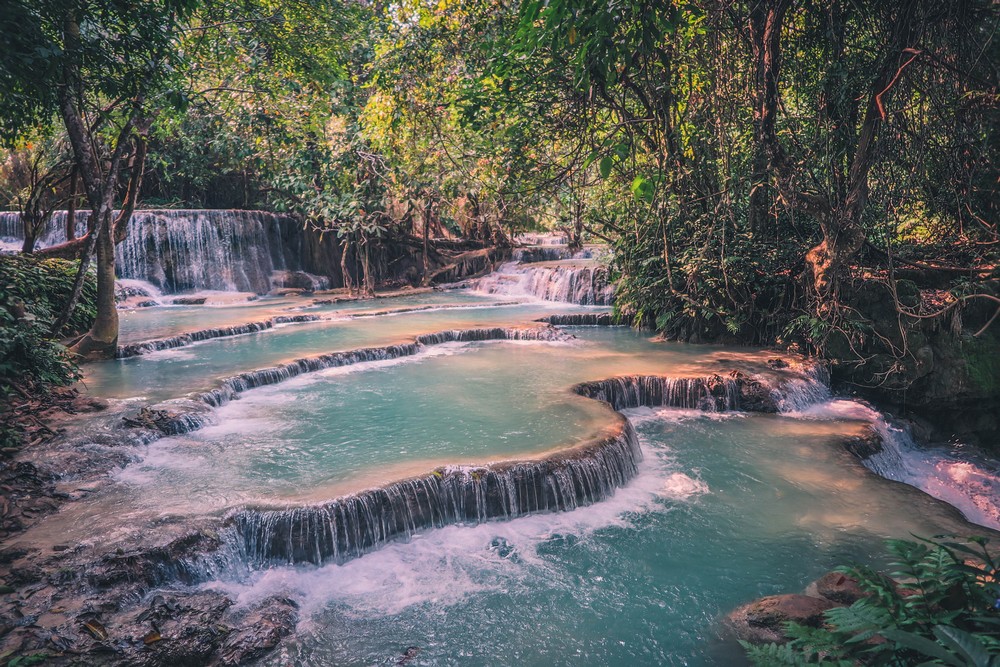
(939, 607)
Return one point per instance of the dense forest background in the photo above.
(814, 175)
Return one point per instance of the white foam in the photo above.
(444, 566)
(680, 486)
(643, 415)
(836, 409)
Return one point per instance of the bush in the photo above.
(937, 606)
(32, 293)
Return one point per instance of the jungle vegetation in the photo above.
(761, 168)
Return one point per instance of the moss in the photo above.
(908, 293)
(982, 362)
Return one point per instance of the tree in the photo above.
(107, 62)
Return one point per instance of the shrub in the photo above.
(32, 292)
(937, 606)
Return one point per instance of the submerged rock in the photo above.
(866, 445)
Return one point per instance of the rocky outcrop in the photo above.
(763, 621)
(936, 369)
(864, 446)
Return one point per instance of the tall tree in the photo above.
(108, 63)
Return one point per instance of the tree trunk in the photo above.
(90, 242)
(31, 227)
(843, 235)
(766, 19)
(71, 206)
(101, 341)
(428, 210)
(345, 248)
(369, 287)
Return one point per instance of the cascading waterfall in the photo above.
(348, 527)
(713, 393)
(185, 250)
(551, 253)
(579, 319)
(181, 340)
(972, 484)
(582, 284)
(543, 239)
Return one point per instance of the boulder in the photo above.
(837, 587)
(762, 621)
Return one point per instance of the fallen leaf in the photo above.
(95, 628)
(151, 637)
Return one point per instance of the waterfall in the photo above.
(579, 319)
(348, 527)
(550, 253)
(582, 284)
(811, 386)
(548, 239)
(967, 481)
(713, 393)
(181, 340)
(185, 250)
(230, 388)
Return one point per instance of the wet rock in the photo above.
(174, 629)
(837, 587)
(777, 363)
(864, 446)
(153, 565)
(84, 403)
(189, 300)
(259, 631)
(762, 621)
(755, 396)
(409, 654)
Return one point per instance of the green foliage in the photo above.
(938, 605)
(32, 292)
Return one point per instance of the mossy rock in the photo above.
(908, 293)
(982, 363)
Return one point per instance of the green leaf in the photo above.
(966, 645)
(605, 166)
(922, 645)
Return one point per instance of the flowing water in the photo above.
(403, 496)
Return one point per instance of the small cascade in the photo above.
(579, 319)
(969, 483)
(231, 387)
(136, 294)
(809, 387)
(348, 527)
(553, 253)
(549, 239)
(713, 393)
(181, 340)
(582, 284)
